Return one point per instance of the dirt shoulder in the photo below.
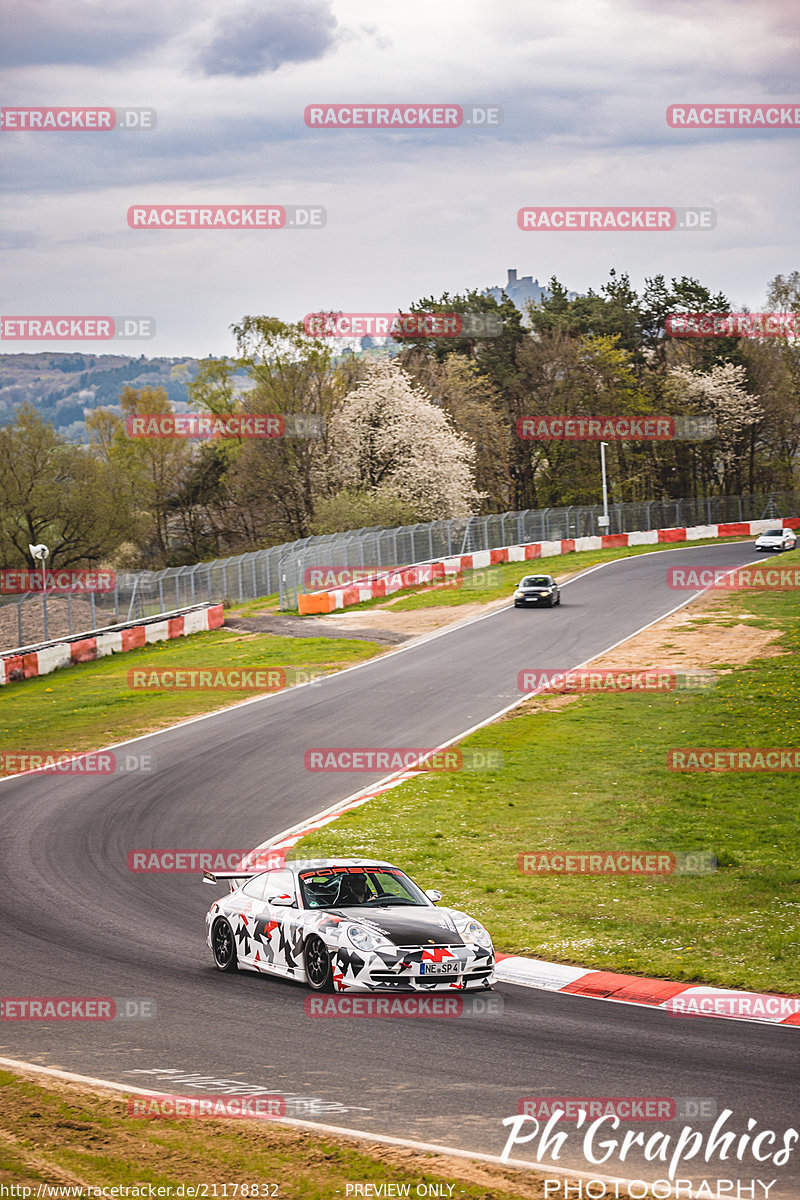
(80, 1136)
(704, 636)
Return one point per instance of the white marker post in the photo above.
(603, 521)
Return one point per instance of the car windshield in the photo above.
(346, 887)
(536, 581)
(774, 533)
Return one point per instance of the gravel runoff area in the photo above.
(58, 624)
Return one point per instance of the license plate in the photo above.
(441, 968)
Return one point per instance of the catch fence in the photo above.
(292, 568)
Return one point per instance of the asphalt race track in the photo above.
(76, 922)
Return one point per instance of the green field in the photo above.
(592, 776)
(92, 705)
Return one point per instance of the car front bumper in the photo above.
(402, 970)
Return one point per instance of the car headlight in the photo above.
(473, 931)
(365, 939)
(518, 594)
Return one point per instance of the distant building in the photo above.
(520, 291)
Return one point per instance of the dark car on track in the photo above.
(537, 589)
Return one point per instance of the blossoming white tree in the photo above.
(390, 437)
(722, 394)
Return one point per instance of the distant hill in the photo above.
(63, 387)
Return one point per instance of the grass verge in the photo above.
(90, 705)
(61, 1134)
(590, 774)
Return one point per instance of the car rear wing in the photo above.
(234, 878)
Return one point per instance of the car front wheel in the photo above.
(319, 968)
(223, 946)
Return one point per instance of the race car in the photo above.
(348, 924)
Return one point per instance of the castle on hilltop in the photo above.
(520, 291)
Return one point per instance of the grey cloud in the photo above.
(92, 32)
(262, 37)
(17, 239)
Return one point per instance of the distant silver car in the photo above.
(537, 589)
(777, 539)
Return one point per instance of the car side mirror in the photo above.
(281, 901)
(433, 894)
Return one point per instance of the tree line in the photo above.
(427, 431)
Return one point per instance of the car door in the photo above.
(250, 910)
(277, 931)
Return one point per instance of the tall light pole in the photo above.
(603, 521)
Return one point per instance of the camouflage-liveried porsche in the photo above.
(346, 925)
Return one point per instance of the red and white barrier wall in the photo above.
(380, 585)
(41, 660)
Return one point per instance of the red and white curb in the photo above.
(27, 664)
(677, 999)
(386, 583)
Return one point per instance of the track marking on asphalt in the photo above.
(353, 1134)
(400, 650)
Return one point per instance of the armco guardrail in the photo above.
(381, 585)
(26, 662)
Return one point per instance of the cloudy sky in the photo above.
(584, 87)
